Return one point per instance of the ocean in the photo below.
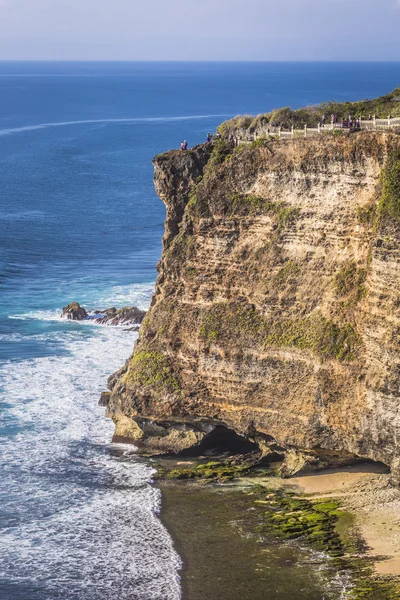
(79, 220)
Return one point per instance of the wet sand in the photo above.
(224, 558)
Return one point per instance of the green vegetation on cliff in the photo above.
(286, 117)
(349, 283)
(283, 213)
(315, 333)
(390, 201)
(152, 368)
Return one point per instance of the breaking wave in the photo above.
(79, 522)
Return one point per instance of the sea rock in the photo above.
(277, 307)
(104, 398)
(74, 312)
(128, 315)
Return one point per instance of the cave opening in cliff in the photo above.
(222, 440)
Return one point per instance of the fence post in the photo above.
(305, 131)
(389, 120)
(360, 119)
(319, 128)
(374, 121)
(279, 131)
(292, 130)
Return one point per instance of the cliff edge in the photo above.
(277, 307)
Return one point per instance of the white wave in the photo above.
(39, 126)
(78, 515)
(136, 294)
(38, 315)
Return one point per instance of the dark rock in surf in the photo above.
(74, 312)
(128, 315)
(104, 398)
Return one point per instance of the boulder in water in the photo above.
(74, 312)
(128, 315)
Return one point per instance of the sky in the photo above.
(200, 30)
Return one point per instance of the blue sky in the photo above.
(200, 29)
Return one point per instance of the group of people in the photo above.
(352, 122)
(210, 138)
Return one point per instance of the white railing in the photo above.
(373, 124)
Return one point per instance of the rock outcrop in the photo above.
(74, 312)
(277, 306)
(128, 315)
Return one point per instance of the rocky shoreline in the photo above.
(277, 512)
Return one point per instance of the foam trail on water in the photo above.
(99, 121)
(79, 522)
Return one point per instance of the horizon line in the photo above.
(172, 60)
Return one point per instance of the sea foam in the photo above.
(79, 521)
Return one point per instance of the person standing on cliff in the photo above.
(185, 145)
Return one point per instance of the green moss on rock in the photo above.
(211, 471)
(151, 368)
(325, 338)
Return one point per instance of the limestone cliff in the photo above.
(277, 306)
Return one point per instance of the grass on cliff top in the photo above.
(321, 336)
(285, 117)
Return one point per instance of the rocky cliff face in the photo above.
(277, 306)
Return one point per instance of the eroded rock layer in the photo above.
(277, 306)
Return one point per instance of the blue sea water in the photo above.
(79, 220)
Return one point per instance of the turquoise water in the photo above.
(79, 220)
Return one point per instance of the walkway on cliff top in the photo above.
(374, 124)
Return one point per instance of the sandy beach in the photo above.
(213, 531)
(366, 492)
